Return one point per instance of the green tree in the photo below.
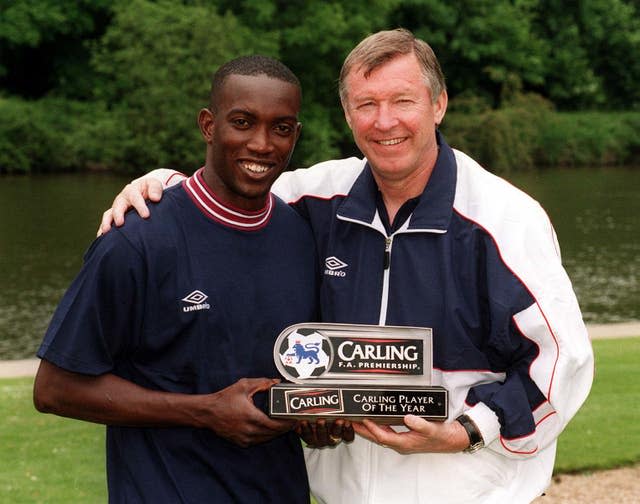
(485, 47)
(42, 45)
(612, 39)
(591, 52)
(157, 59)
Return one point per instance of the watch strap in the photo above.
(476, 442)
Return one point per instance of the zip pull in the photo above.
(387, 253)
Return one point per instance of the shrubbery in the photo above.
(118, 85)
(527, 133)
(60, 135)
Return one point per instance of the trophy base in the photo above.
(386, 405)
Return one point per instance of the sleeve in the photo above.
(538, 336)
(166, 176)
(324, 180)
(100, 314)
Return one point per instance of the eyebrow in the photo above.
(251, 114)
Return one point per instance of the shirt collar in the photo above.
(212, 207)
(435, 205)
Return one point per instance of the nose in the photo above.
(385, 117)
(260, 140)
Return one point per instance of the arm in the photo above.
(111, 400)
(134, 194)
(545, 342)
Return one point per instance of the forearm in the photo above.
(111, 400)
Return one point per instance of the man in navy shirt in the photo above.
(166, 335)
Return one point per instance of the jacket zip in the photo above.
(388, 242)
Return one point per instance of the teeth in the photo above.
(393, 141)
(255, 167)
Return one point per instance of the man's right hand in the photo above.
(232, 414)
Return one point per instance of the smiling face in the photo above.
(393, 119)
(250, 137)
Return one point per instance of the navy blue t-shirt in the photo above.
(190, 301)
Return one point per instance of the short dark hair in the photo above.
(251, 65)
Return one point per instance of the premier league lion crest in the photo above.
(305, 355)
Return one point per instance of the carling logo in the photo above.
(335, 267)
(195, 301)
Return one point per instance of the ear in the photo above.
(298, 131)
(440, 107)
(206, 122)
(347, 116)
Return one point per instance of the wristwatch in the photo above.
(475, 438)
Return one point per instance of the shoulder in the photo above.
(322, 180)
(517, 224)
(164, 217)
(488, 198)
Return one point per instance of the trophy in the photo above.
(354, 371)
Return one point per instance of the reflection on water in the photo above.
(47, 222)
(596, 214)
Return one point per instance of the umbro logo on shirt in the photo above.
(335, 267)
(195, 301)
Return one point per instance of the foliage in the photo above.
(44, 136)
(157, 75)
(49, 35)
(590, 138)
(527, 133)
(483, 45)
(502, 140)
(590, 50)
(145, 67)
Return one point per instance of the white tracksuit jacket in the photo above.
(477, 261)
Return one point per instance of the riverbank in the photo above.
(28, 367)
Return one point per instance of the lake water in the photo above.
(47, 222)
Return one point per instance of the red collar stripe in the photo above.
(213, 208)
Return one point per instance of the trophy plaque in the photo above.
(354, 372)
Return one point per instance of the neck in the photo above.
(396, 193)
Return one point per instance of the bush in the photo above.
(38, 136)
(58, 135)
(502, 140)
(156, 60)
(527, 134)
(590, 138)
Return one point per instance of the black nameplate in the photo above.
(384, 405)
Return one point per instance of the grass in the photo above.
(606, 432)
(44, 458)
(47, 459)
